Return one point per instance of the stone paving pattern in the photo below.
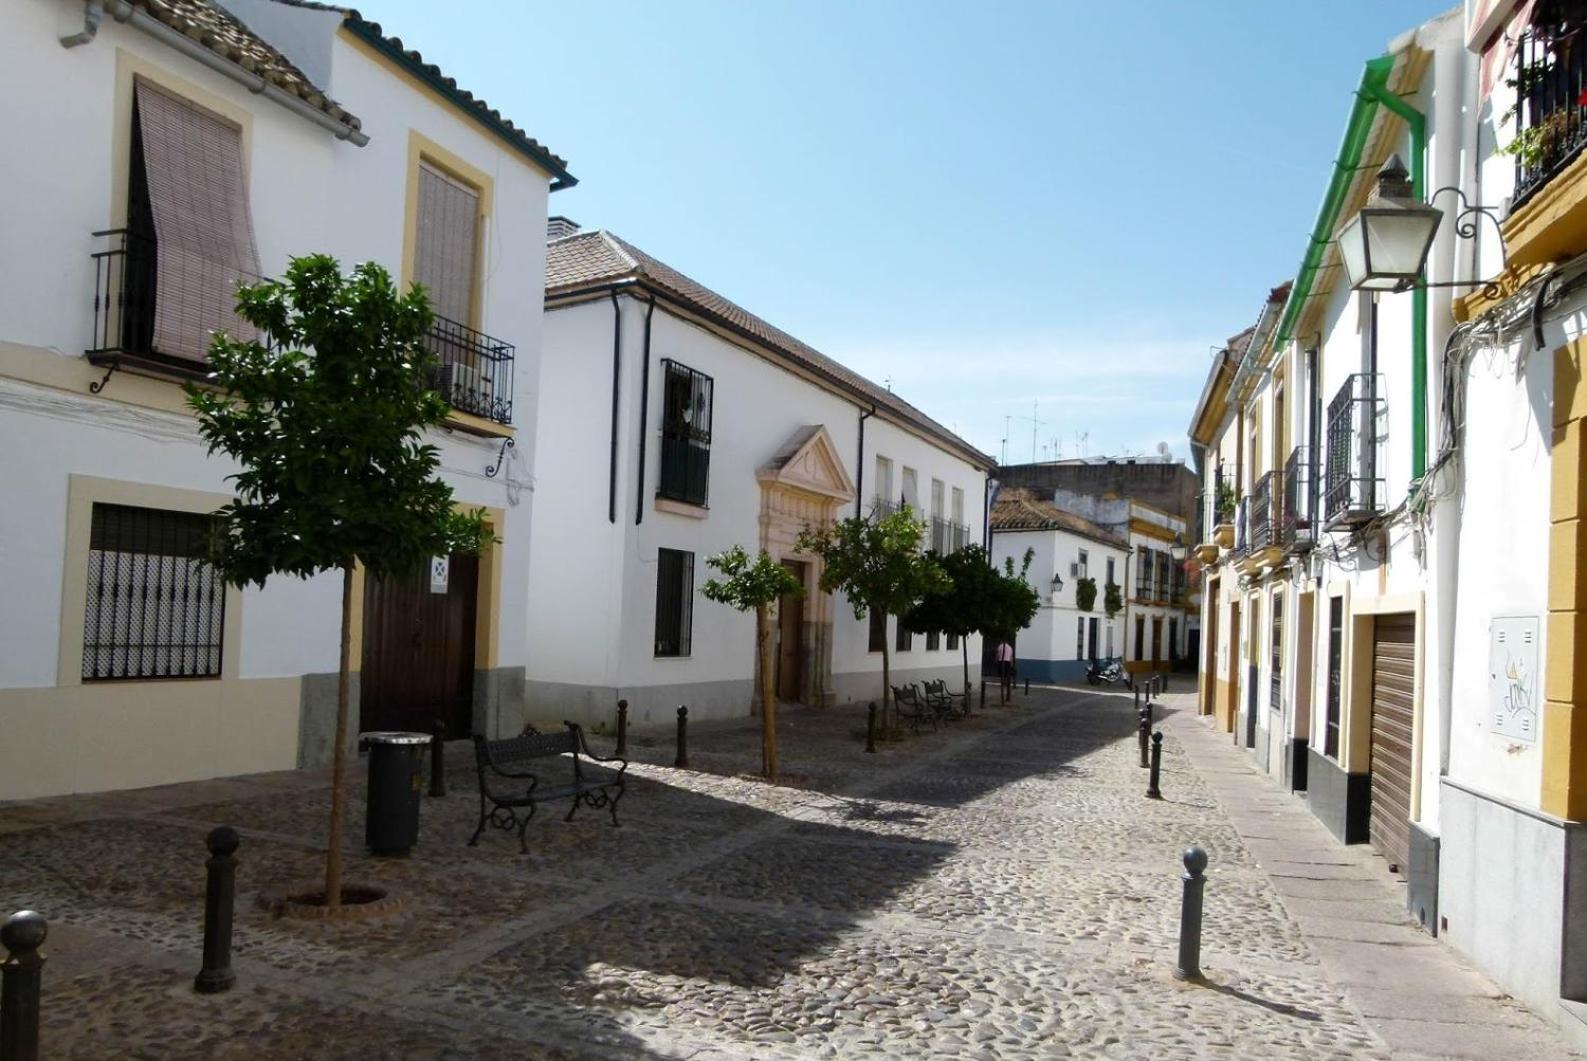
(1000, 889)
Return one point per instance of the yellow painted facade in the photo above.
(1564, 785)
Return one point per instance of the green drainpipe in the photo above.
(1372, 92)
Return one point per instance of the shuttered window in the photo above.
(1336, 621)
(685, 434)
(155, 607)
(674, 602)
(446, 243)
(189, 161)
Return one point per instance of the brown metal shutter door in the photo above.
(1393, 683)
(198, 194)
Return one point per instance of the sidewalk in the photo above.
(1420, 996)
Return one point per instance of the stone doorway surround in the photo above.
(805, 484)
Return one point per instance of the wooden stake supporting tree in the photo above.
(756, 586)
(324, 412)
(877, 563)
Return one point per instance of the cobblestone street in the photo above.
(998, 889)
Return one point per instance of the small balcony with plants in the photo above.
(1352, 476)
(1297, 526)
(1550, 82)
(1261, 523)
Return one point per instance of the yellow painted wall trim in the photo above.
(1475, 303)
(1148, 529)
(1564, 781)
(422, 149)
(478, 425)
(1552, 225)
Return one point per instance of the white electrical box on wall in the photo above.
(1513, 680)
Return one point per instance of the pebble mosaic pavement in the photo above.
(1000, 889)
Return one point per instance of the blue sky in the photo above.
(989, 204)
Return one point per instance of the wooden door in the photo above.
(1157, 640)
(790, 640)
(1210, 652)
(1233, 705)
(1393, 686)
(418, 660)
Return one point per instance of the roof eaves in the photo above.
(490, 118)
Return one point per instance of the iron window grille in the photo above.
(878, 630)
(1260, 513)
(155, 607)
(1352, 482)
(1242, 538)
(953, 642)
(1335, 677)
(1276, 684)
(941, 535)
(881, 507)
(674, 602)
(1080, 638)
(475, 373)
(933, 640)
(1298, 522)
(685, 434)
(1143, 574)
(903, 639)
(1550, 78)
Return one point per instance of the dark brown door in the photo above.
(418, 663)
(1209, 672)
(1157, 641)
(790, 642)
(1393, 685)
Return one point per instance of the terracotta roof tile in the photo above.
(1019, 510)
(596, 257)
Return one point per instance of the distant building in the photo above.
(1168, 486)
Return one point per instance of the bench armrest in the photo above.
(585, 747)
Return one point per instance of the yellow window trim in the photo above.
(421, 149)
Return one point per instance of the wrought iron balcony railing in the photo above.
(1551, 76)
(1352, 480)
(881, 507)
(475, 375)
(1298, 520)
(1259, 513)
(1242, 538)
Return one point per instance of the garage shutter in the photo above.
(1393, 681)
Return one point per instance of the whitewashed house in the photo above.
(674, 424)
(1068, 551)
(186, 151)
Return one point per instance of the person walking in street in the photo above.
(1005, 669)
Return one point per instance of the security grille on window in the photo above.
(190, 238)
(1085, 564)
(904, 640)
(685, 434)
(1080, 638)
(878, 620)
(953, 642)
(1143, 574)
(933, 640)
(674, 602)
(155, 606)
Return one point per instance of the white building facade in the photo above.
(673, 425)
(1067, 552)
(202, 154)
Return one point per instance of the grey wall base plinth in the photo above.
(1341, 801)
(857, 687)
(1295, 764)
(647, 704)
(317, 719)
(1421, 879)
(499, 705)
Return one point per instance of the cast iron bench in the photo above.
(954, 705)
(912, 708)
(505, 766)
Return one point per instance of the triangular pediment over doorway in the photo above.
(809, 462)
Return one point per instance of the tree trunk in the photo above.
(768, 693)
(888, 707)
(964, 644)
(333, 851)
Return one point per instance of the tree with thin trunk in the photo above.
(756, 586)
(969, 604)
(877, 564)
(324, 412)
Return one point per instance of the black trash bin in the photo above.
(391, 816)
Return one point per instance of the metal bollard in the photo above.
(983, 694)
(1189, 967)
(1027, 686)
(1142, 732)
(622, 729)
(20, 976)
(1137, 691)
(220, 890)
(1152, 791)
(870, 729)
(1162, 685)
(682, 761)
(438, 759)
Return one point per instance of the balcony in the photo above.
(947, 536)
(881, 507)
(1352, 480)
(1242, 540)
(131, 332)
(1551, 74)
(1297, 528)
(475, 375)
(1259, 512)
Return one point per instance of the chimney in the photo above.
(557, 227)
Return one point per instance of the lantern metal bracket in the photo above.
(501, 459)
(1466, 222)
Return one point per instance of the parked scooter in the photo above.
(1108, 670)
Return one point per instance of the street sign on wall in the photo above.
(440, 572)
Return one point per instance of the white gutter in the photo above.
(124, 12)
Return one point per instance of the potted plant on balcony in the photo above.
(1113, 599)
(1085, 593)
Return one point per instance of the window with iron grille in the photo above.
(1080, 638)
(933, 640)
(905, 640)
(1085, 564)
(155, 607)
(1143, 574)
(878, 620)
(674, 602)
(1275, 691)
(1336, 620)
(953, 642)
(685, 434)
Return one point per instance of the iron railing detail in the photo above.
(1259, 534)
(1242, 540)
(1352, 480)
(1298, 520)
(685, 434)
(475, 374)
(1550, 81)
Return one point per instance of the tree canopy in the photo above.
(876, 563)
